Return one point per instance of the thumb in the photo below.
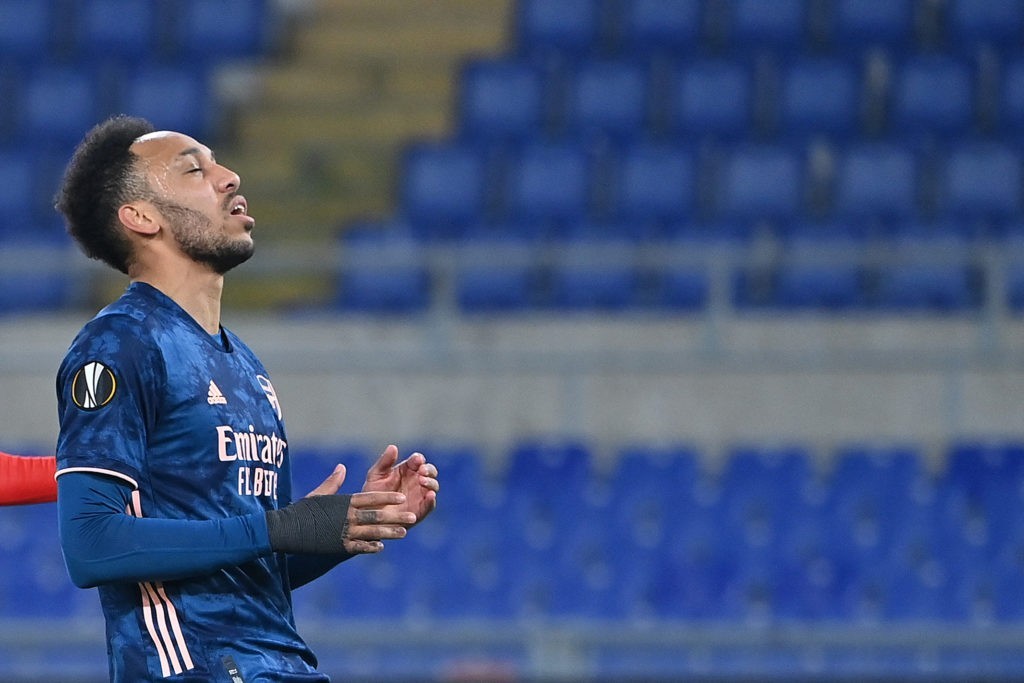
(332, 483)
(384, 463)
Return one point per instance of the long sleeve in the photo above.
(27, 479)
(104, 544)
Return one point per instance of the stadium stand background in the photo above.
(708, 309)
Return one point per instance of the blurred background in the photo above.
(709, 312)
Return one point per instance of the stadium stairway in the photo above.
(363, 77)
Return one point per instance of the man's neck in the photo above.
(198, 291)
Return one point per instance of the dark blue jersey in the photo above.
(191, 422)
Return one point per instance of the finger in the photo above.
(382, 516)
(384, 463)
(376, 499)
(430, 483)
(376, 532)
(332, 483)
(358, 547)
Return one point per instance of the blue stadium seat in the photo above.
(213, 31)
(60, 104)
(17, 172)
(654, 182)
(982, 181)
(172, 97)
(608, 98)
(682, 289)
(502, 100)
(607, 287)
(998, 23)
(444, 186)
(780, 25)
(560, 27)
(1010, 100)
(371, 288)
(820, 97)
(940, 288)
(712, 98)
(548, 182)
(876, 181)
(858, 24)
(1015, 286)
(834, 286)
(761, 183)
(98, 28)
(933, 94)
(497, 288)
(669, 27)
(27, 29)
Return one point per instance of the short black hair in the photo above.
(100, 178)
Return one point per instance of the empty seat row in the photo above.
(52, 107)
(194, 32)
(719, 98)
(876, 535)
(447, 186)
(586, 27)
(568, 284)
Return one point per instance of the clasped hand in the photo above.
(395, 497)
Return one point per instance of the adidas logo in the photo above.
(214, 397)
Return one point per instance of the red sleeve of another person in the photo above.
(25, 480)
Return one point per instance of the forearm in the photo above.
(102, 544)
(25, 480)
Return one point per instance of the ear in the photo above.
(139, 217)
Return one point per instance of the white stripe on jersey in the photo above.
(156, 603)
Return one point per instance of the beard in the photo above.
(199, 239)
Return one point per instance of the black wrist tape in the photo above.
(312, 525)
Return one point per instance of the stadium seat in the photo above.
(99, 31)
(711, 98)
(996, 23)
(982, 181)
(208, 32)
(60, 103)
(173, 98)
(372, 288)
(548, 182)
(681, 289)
(938, 288)
(819, 97)
(28, 29)
(1011, 97)
(597, 287)
(497, 288)
(443, 187)
(17, 190)
(608, 99)
(1015, 287)
(761, 183)
(653, 182)
(559, 27)
(859, 24)
(933, 95)
(781, 25)
(501, 100)
(876, 181)
(831, 287)
(661, 27)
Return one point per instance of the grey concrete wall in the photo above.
(711, 380)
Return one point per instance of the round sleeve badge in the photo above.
(93, 386)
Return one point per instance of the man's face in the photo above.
(197, 200)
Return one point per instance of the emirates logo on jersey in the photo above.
(93, 386)
(268, 389)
